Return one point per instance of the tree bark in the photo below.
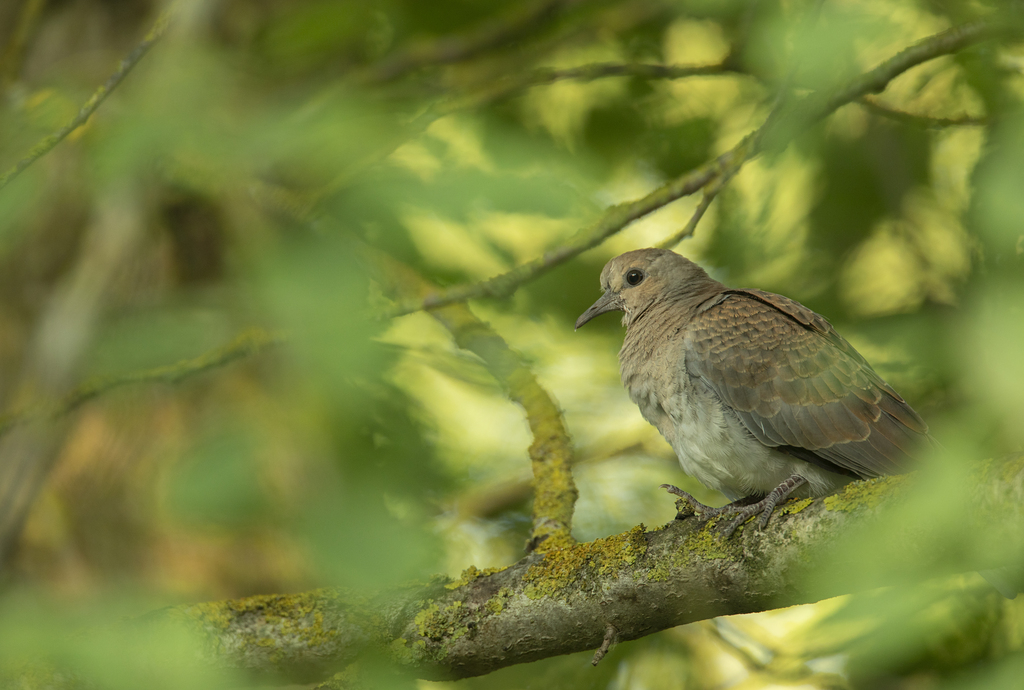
(638, 582)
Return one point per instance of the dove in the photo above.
(758, 395)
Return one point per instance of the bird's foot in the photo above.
(743, 509)
(687, 505)
(765, 506)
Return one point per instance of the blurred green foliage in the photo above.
(263, 144)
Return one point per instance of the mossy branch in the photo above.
(90, 106)
(775, 134)
(551, 453)
(638, 582)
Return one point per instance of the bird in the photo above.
(759, 396)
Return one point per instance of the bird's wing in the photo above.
(799, 386)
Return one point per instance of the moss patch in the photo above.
(562, 568)
(793, 507)
(470, 574)
(440, 623)
(400, 651)
(863, 494)
(666, 565)
(273, 621)
(707, 543)
(496, 604)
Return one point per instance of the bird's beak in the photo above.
(609, 301)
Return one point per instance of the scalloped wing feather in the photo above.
(799, 386)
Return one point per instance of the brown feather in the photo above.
(815, 391)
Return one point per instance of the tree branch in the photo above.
(923, 121)
(943, 43)
(776, 132)
(612, 221)
(505, 88)
(637, 583)
(599, 70)
(90, 106)
(710, 192)
(246, 344)
(450, 49)
(551, 453)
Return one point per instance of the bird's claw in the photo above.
(687, 505)
(743, 509)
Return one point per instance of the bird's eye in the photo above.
(634, 276)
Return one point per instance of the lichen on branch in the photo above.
(638, 582)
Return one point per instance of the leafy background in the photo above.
(232, 181)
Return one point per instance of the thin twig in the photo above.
(770, 134)
(246, 344)
(493, 34)
(923, 121)
(730, 169)
(612, 221)
(936, 45)
(781, 665)
(14, 54)
(600, 70)
(90, 106)
(710, 192)
(504, 89)
(745, 656)
(610, 634)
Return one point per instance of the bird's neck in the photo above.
(663, 321)
(649, 329)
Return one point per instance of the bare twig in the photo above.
(923, 121)
(743, 655)
(14, 53)
(503, 89)
(780, 665)
(491, 35)
(610, 634)
(507, 88)
(710, 192)
(90, 106)
(600, 70)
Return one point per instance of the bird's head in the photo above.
(635, 281)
